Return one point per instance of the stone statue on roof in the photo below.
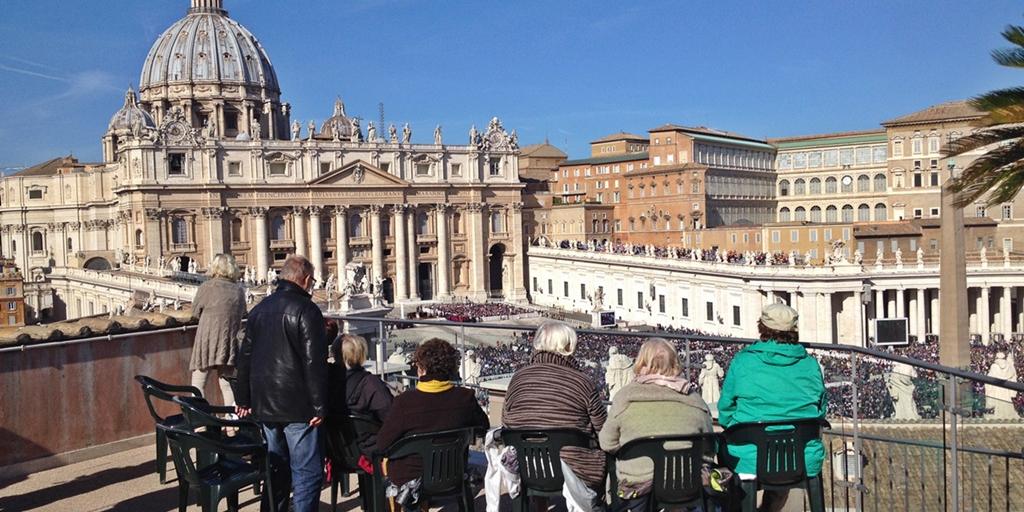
(437, 135)
(339, 108)
(357, 131)
(393, 134)
(296, 130)
(474, 136)
(371, 132)
(257, 129)
(312, 130)
(406, 134)
(900, 384)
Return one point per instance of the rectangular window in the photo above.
(535, 287)
(278, 169)
(456, 169)
(686, 308)
(794, 235)
(422, 169)
(776, 237)
(12, 306)
(933, 179)
(235, 168)
(36, 193)
(551, 289)
(918, 213)
(812, 235)
(736, 315)
(661, 303)
(325, 167)
(917, 147)
(934, 212)
(176, 164)
(583, 291)
(565, 289)
(494, 167)
(709, 309)
(1007, 245)
(918, 182)
(1007, 212)
(619, 296)
(639, 300)
(11, 292)
(12, 319)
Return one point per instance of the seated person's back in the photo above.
(365, 394)
(436, 404)
(773, 379)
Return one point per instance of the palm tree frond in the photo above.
(1000, 173)
(982, 138)
(1009, 57)
(1014, 34)
(1003, 106)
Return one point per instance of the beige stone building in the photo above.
(206, 160)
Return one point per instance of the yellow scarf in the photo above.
(434, 386)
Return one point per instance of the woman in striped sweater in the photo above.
(553, 392)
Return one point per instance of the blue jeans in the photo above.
(296, 464)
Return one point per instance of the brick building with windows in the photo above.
(12, 294)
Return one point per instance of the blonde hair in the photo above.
(353, 350)
(657, 357)
(556, 337)
(223, 265)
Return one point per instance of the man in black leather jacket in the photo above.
(282, 383)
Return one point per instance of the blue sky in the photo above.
(571, 71)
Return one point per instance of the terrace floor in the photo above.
(125, 481)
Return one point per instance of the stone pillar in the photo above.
(215, 227)
(153, 234)
(518, 284)
(922, 320)
(316, 246)
(377, 242)
(341, 243)
(954, 343)
(936, 313)
(299, 218)
(1006, 312)
(413, 252)
(401, 247)
(879, 304)
(901, 303)
(825, 320)
(443, 259)
(859, 311)
(984, 315)
(478, 252)
(260, 245)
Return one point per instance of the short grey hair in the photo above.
(296, 268)
(556, 337)
(223, 265)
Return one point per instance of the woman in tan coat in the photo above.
(219, 305)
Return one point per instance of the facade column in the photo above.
(401, 247)
(478, 252)
(299, 218)
(413, 252)
(858, 314)
(984, 316)
(215, 227)
(341, 243)
(260, 244)
(1006, 312)
(922, 321)
(901, 303)
(518, 284)
(934, 316)
(825, 320)
(153, 234)
(316, 242)
(377, 242)
(879, 304)
(443, 260)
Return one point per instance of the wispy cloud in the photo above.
(32, 73)
(79, 84)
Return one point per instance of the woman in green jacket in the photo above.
(773, 379)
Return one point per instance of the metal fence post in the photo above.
(859, 483)
(954, 444)
(382, 348)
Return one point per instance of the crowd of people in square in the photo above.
(471, 311)
(708, 255)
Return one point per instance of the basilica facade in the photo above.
(206, 159)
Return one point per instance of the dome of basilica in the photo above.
(207, 46)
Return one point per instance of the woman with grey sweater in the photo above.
(658, 402)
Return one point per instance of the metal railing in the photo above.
(926, 464)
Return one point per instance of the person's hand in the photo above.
(316, 421)
(242, 412)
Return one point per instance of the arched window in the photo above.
(236, 230)
(784, 215)
(784, 188)
(179, 231)
(799, 187)
(880, 212)
(815, 186)
(847, 184)
(830, 185)
(70, 245)
(37, 242)
(277, 231)
(831, 214)
(800, 214)
(847, 213)
(355, 225)
(139, 240)
(457, 223)
(604, 226)
(385, 225)
(815, 214)
(593, 226)
(880, 182)
(863, 183)
(863, 213)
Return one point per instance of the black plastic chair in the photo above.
(677, 471)
(540, 466)
(152, 388)
(221, 479)
(444, 456)
(342, 435)
(780, 458)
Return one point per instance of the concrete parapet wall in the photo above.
(60, 397)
